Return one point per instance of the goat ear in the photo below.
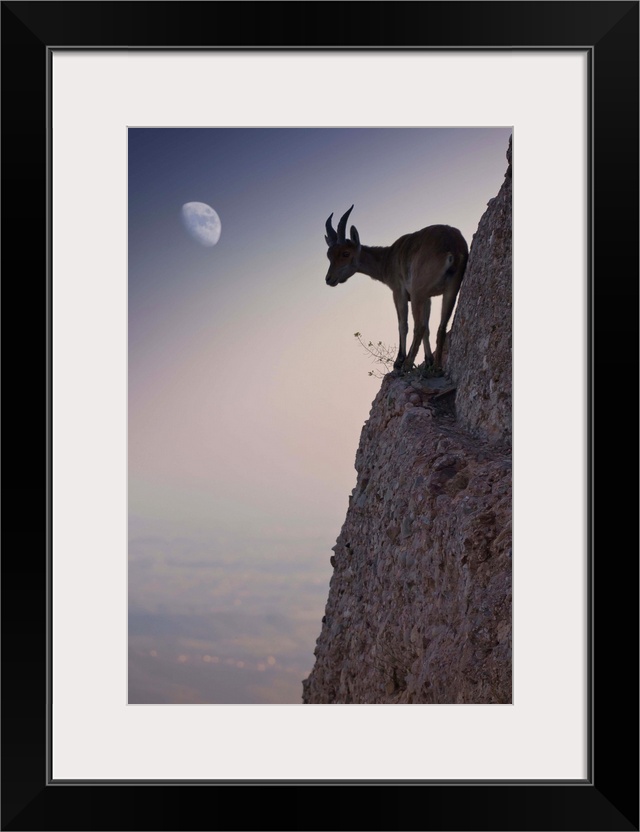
(355, 237)
(327, 241)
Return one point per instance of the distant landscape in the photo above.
(215, 622)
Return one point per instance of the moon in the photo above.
(202, 222)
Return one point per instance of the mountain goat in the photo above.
(416, 268)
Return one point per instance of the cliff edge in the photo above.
(419, 607)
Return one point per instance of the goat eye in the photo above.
(345, 253)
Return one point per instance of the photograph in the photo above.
(321, 317)
(319, 472)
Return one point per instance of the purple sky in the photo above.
(247, 389)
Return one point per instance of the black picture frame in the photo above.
(608, 798)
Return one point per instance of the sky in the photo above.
(247, 390)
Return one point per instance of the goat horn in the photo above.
(342, 226)
(332, 237)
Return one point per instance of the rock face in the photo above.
(419, 607)
(479, 357)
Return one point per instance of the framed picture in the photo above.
(564, 78)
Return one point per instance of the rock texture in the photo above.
(479, 355)
(419, 607)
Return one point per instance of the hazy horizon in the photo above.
(247, 388)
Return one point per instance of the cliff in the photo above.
(419, 607)
(479, 358)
